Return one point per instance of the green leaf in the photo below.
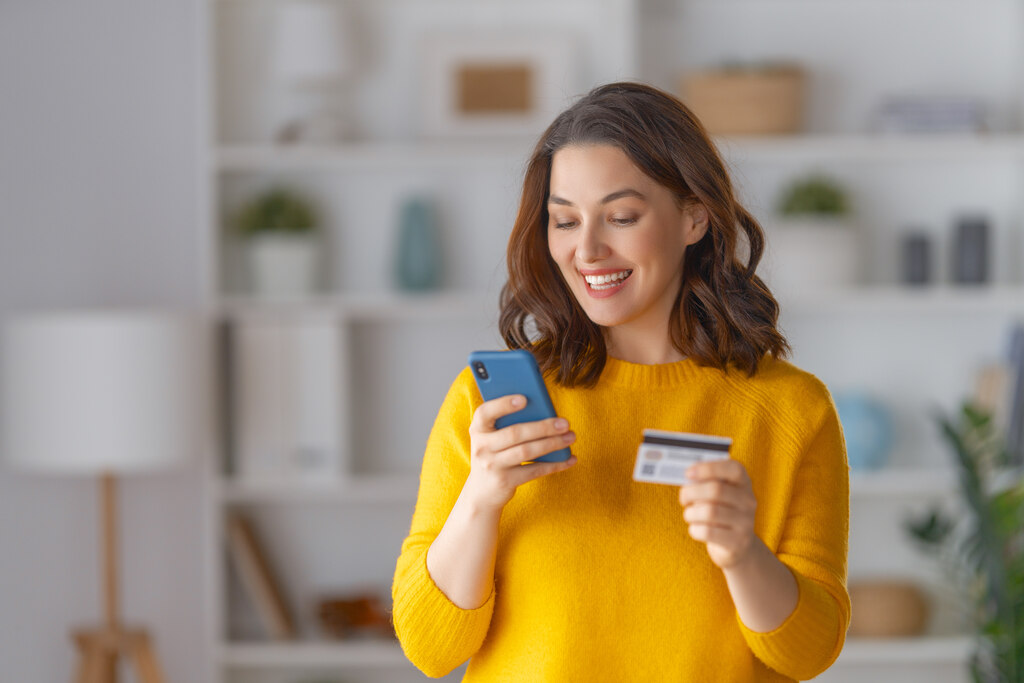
(277, 210)
(932, 528)
(989, 544)
(815, 195)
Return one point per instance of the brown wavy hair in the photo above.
(724, 314)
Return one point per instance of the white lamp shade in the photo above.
(312, 43)
(88, 392)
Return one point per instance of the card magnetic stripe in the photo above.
(685, 443)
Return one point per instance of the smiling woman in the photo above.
(624, 262)
(634, 158)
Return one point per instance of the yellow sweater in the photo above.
(597, 578)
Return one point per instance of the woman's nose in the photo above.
(592, 246)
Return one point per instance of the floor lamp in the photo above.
(103, 393)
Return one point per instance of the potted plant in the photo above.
(278, 227)
(985, 547)
(813, 242)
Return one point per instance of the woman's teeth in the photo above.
(607, 281)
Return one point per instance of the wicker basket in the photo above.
(755, 101)
(887, 609)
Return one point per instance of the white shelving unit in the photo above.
(356, 156)
(953, 650)
(341, 655)
(380, 489)
(912, 348)
(363, 307)
(388, 489)
(876, 148)
(943, 301)
(863, 148)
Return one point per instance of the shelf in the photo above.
(457, 153)
(386, 306)
(906, 299)
(367, 155)
(900, 483)
(394, 306)
(455, 304)
(401, 488)
(929, 649)
(867, 147)
(383, 489)
(316, 654)
(472, 4)
(922, 650)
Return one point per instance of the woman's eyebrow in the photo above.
(628, 192)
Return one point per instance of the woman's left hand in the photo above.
(719, 505)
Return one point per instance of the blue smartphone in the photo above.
(500, 373)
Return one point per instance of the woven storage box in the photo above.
(762, 101)
(887, 609)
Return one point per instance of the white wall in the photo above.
(99, 205)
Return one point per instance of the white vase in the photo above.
(811, 253)
(281, 265)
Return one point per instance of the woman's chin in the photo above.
(603, 318)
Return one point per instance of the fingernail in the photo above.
(568, 438)
(561, 423)
(571, 460)
(518, 401)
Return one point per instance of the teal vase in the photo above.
(418, 251)
(867, 430)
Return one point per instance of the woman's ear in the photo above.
(695, 222)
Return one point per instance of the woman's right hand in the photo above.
(496, 455)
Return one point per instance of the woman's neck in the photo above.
(641, 346)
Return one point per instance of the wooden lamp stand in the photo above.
(101, 648)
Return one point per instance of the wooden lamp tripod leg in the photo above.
(101, 648)
(146, 664)
(94, 665)
(98, 655)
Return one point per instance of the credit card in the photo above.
(664, 457)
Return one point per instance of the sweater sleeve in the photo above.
(436, 634)
(814, 548)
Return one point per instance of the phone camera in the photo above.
(480, 370)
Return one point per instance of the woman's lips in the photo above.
(600, 285)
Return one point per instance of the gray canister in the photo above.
(917, 261)
(970, 250)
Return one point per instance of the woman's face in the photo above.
(618, 236)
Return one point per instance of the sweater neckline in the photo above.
(663, 375)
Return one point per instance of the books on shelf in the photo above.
(285, 400)
(999, 389)
(258, 579)
(1015, 418)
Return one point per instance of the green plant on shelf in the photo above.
(814, 195)
(278, 211)
(985, 546)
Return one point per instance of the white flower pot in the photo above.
(812, 253)
(281, 265)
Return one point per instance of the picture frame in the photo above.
(495, 85)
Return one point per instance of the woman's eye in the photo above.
(565, 224)
(623, 220)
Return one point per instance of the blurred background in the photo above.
(328, 187)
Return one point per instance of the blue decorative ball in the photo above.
(867, 428)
